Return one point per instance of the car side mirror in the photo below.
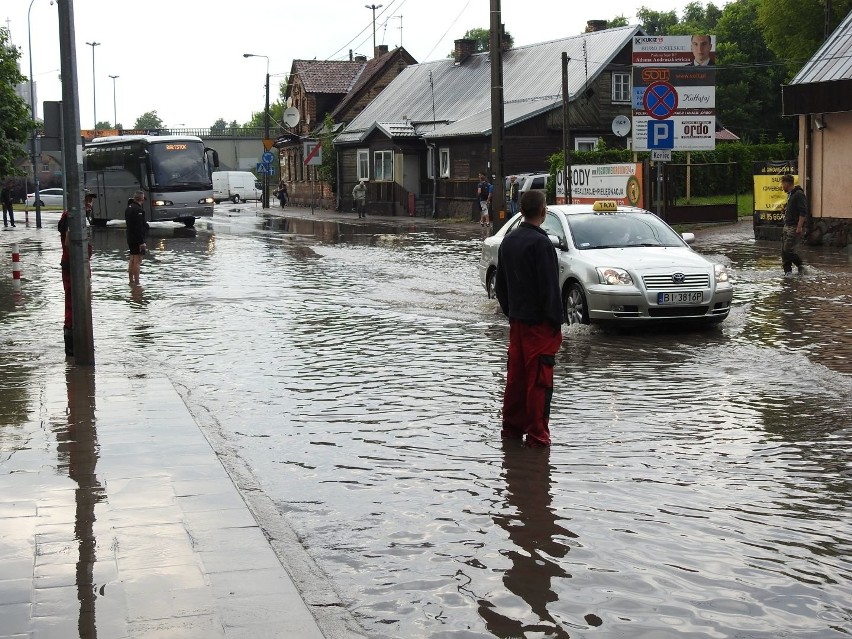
(689, 238)
(556, 241)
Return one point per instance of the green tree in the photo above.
(149, 120)
(482, 37)
(219, 127)
(104, 124)
(15, 121)
(656, 22)
(618, 21)
(795, 30)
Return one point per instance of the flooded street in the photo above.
(699, 481)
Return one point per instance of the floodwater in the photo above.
(699, 481)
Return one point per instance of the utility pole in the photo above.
(374, 7)
(566, 131)
(498, 197)
(33, 152)
(81, 300)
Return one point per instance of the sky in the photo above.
(184, 58)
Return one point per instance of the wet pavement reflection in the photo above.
(697, 487)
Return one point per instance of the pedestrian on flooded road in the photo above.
(527, 289)
(484, 190)
(359, 194)
(795, 218)
(134, 216)
(8, 207)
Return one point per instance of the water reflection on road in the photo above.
(699, 481)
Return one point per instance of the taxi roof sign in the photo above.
(605, 205)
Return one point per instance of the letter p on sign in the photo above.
(661, 134)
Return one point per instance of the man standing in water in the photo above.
(795, 218)
(528, 291)
(134, 216)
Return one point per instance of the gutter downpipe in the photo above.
(434, 175)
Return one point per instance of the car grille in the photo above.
(660, 282)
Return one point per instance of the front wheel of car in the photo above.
(491, 282)
(576, 309)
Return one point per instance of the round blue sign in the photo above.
(267, 157)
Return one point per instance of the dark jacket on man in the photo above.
(134, 215)
(528, 267)
(797, 206)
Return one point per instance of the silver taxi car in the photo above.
(621, 264)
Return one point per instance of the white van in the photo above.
(236, 186)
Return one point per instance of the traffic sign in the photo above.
(313, 153)
(661, 134)
(660, 100)
(263, 168)
(658, 155)
(267, 157)
(268, 144)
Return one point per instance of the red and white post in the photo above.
(16, 266)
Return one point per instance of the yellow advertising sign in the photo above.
(768, 194)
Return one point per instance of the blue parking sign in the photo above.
(660, 134)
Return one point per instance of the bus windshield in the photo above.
(176, 165)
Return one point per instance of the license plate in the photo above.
(680, 297)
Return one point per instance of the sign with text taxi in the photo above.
(674, 108)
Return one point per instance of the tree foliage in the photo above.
(327, 171)
(219, 127)
(793, 31)
(104, 124)
(149, 120)
(15, 121)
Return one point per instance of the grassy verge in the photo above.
(745, 202)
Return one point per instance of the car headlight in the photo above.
(611, 275)
(206, 200)
(721, 272)
(162, 203)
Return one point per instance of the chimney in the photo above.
(595, 25)
(465, 47)
(381, 49)
(360, 58)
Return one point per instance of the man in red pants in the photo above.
(528, 291)
(65, 263)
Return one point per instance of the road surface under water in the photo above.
(699, 480)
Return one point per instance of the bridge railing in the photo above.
(228, 132)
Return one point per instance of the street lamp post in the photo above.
(374, 7)
(33, 157)
(265, 126)
(114, 110)
(94, 93)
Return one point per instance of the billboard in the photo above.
(674, 107)
(662, 51)
(592, 182)
(769, 197)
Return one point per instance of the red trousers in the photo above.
(529, 381)
(66, 285)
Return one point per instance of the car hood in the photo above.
(647, 257)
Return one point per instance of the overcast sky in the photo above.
(183, 58)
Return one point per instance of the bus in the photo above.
(174, 172)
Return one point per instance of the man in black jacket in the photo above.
(528, 291)
(134, 216)
(795, 218)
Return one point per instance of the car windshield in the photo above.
(620, 230)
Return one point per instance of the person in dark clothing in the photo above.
(512, 195)
(8, 209)
(795, 218)
(134, 216)
(282, 194)
(527, 289)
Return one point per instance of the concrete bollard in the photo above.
(16, 266)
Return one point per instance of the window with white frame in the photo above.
(585, 144)
(430, 162)
(621, 87)
(383, 166)
(444, 159)
(363, 164)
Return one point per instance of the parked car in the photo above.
(621, 264)
(47, 197)
(530, 182)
